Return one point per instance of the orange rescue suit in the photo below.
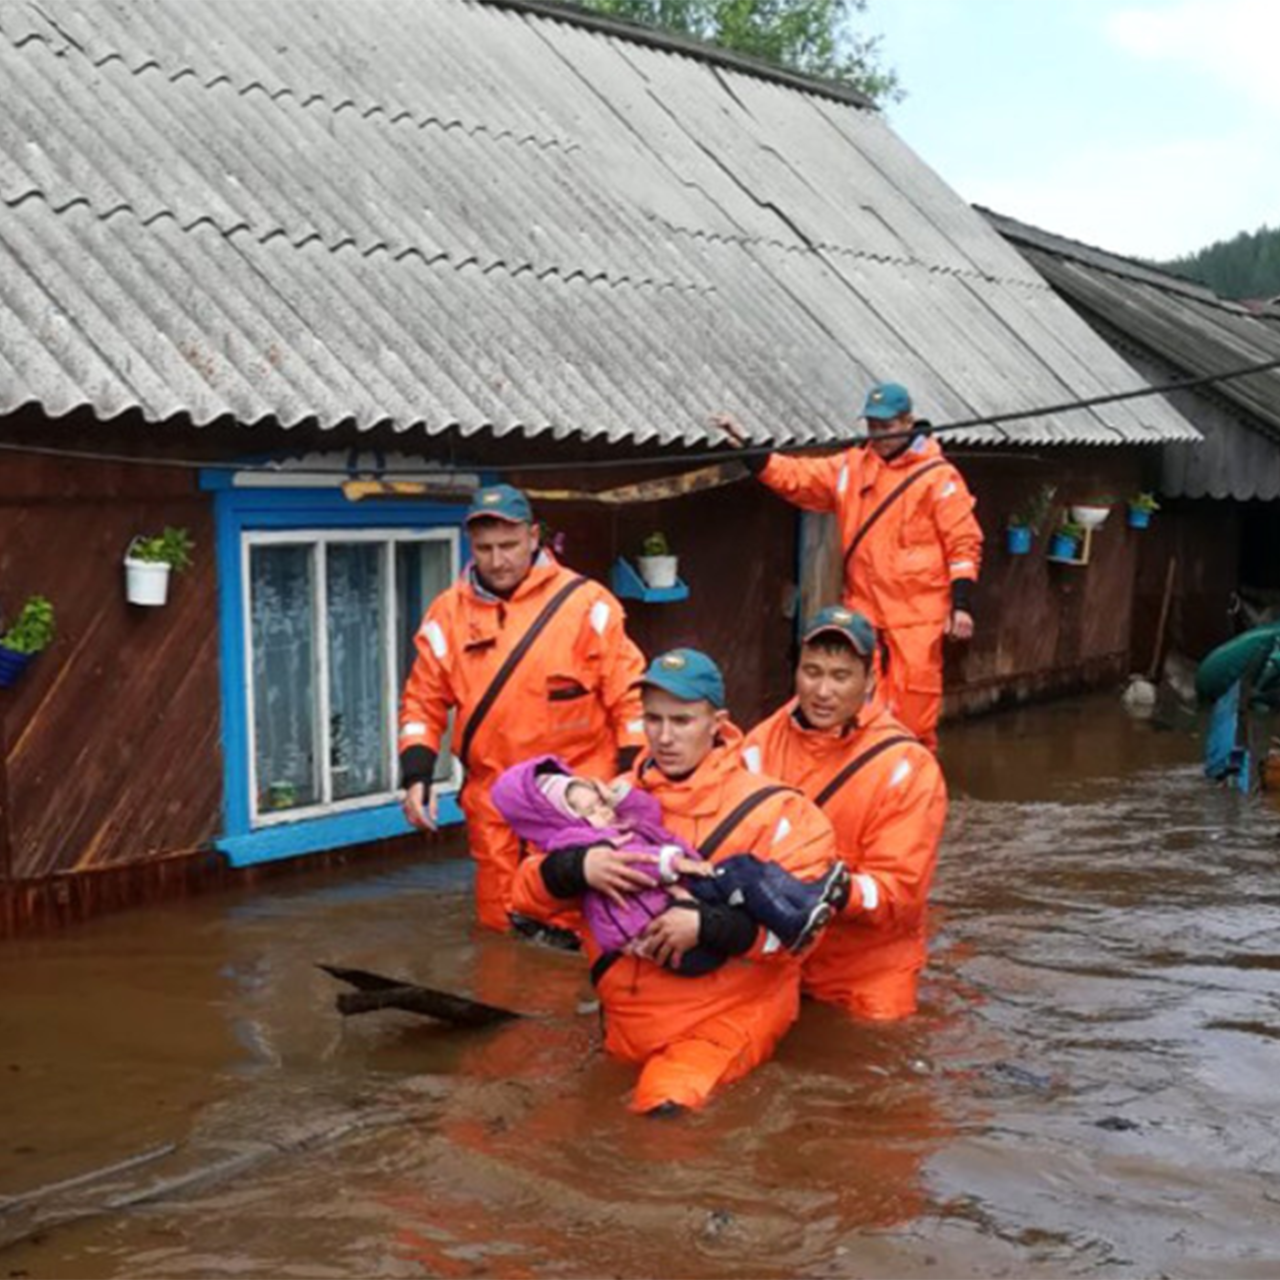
(692, 1034)
(573, 695)
(888, 820)
(901, 573)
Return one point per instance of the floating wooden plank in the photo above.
(375, 991)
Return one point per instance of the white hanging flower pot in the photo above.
(657, 571)
(146, 581)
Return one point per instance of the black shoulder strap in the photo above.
(889, 500)
(732, 820)
(513, 660)
(857, 763)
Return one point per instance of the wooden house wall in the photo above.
(1201, 541)
(737, 552)
(111, 737)
(1045, 628)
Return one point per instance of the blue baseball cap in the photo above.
(886, 400)
(499, 502)
(835, 619)
(688, 675)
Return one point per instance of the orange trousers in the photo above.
(913, 681)
(692, 1064)
(871, 978)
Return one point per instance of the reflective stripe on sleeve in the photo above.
(599, 616)
(413, 729)
(434, 636)
(751, 757)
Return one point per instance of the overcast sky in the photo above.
(1148, 127)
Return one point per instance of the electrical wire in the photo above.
(723, 453)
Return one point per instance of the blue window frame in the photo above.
(318, 601)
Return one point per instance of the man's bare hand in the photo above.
(617, 872)
(731, 427)
(421, 807)
(666, 939)
(960, 625)
(692, 867)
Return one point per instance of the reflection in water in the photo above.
(1088, 1087)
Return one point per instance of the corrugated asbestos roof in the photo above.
(1193, 333)
(440, 214)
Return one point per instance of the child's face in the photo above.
(589, 802)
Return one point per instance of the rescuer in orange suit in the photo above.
(532, 658)
(885, 796)
(691, 1034)
(912, 545)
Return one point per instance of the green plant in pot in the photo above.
(1027, 521)
(1141, 505)
(1067, 539)
(656, 563)
(30, 632)
(151, 559)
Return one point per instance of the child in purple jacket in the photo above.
(552, 808)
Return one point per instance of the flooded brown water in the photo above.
(1089, 1089)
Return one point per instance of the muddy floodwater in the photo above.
(1091, 1087)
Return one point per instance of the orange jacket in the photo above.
(573, 694)
(928, 537)
(648, 1008)
(888, 820)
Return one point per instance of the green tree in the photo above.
(810, 36)
(1246, 266)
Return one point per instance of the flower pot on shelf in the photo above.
(146, 581)
(1139, 517)
(657, 571)
(12, 665)
(1089, 515)
(1017, 540)
(1063, 546)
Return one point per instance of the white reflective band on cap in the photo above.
(901, 773)
(751, 758)
(412, 729)
(842, 480)
(782, 831)
(599, 617)
(870, 892)
(435, 638)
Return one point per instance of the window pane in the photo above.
(359, 720)
(281, 618)
(423, 571)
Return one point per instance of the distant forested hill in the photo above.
(1246, 266)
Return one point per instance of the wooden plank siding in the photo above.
(1045, 629)
(112, 735)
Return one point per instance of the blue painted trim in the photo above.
(237, 511)
(317, 835)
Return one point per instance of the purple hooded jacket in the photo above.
(533, 817)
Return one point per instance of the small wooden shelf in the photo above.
(627, 584)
